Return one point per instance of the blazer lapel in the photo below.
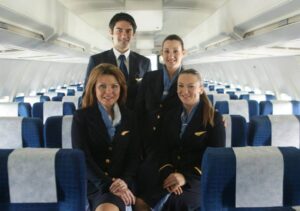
(133, 66)
(111, 58)
(195, 126)
(98, 125)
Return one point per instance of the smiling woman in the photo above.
(104, 130)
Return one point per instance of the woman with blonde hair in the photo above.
(187, 131)
(104, 130)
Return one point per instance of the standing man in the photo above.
(122, 28)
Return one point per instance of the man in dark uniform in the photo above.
(133, 65)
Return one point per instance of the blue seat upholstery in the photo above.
(224, 108)
(70, 183)
(257, 97)
(236, 130)
(38, 109)
(218, 181)
(53, 131)
(267, 107)
(218, 97)
(31, 130)
(260, 130)
(40, 98)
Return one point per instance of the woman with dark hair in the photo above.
(104, 130)
(156, 95)
(187, 131)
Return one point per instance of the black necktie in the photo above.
(123, 67)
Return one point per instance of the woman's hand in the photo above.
(117, 185)
(174, 182)
(120, 189)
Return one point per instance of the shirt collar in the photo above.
(117, 53)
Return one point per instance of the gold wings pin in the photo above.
(199, 133)
(123, 133)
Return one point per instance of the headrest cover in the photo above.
(72, 99)
(239, 107)
(221, 97)
(285, 130)
(257, 97)
(9, 109)
(259, 177)
(32, 99)
(228, 129)
(11, 132)
(52, 109)
(66, 132)
(282, 107)
(31, 175)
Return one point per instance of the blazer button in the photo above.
(107, 161)
(161, 105)
(154, 128)
(110, 148)
(178, 157)
(158, 116)
(105, 173)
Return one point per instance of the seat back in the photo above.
(57, 132)
(218, 97)
(52, 179)
(245, 108)
(274, 130)
(257, 97)
(223, 178)
(277, 107)
(236, 130)
(15, 109)
(43, 110)
(18, 132)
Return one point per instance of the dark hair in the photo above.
(208, 110)
(173, 37)
(90, 98)
(122, 17)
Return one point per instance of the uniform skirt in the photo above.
(97, 198)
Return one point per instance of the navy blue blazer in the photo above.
(138, 66)
(184, 155)
(105, 159)
(150, 108)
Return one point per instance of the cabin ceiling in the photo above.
(171, 16)
(212, 30)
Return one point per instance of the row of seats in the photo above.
(19, 132)
(35, 99)
(251, 108)
(271, 130)
(40, 110)
(56, 132)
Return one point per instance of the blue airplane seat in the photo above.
(229, 172)
(274, 130)
(245, 108)
(43, 110)
(277, 107)
(236, 130)
(57, 132)
(18, 132)
(66, 186)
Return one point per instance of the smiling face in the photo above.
(189, 89)
(107, 91)
(172, 53)
(122, 35)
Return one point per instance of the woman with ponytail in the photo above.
(187, 131)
